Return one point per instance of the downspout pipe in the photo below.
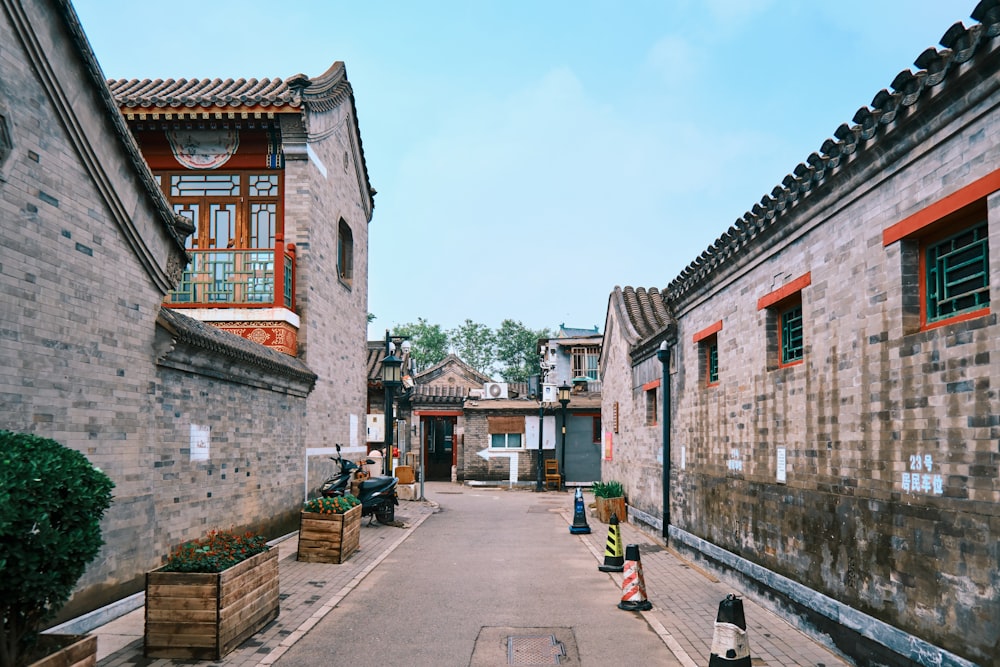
(663, 354)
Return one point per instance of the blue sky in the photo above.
(530, 156)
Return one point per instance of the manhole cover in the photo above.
(534, 650)
(525, 646)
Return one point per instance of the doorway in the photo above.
(439, 447)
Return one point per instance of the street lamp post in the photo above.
(538, 472)
(663, 354)
(391, 378)
(563, 401)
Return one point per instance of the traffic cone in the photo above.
(633, 586)
(730, 647)
(613, 560)
(579, 515)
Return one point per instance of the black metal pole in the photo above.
(387, 440)
(538, 472)
(562, 446)
(387, 462)
(663, 354)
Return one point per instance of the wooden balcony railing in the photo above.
(245, 278)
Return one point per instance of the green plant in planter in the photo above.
(52, 500)
(218, 551)
(608, 489)
(334, 505)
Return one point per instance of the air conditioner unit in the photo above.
(495, 390)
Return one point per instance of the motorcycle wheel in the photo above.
(385, 513)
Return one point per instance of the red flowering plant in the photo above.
(334, 505)
(219, 550)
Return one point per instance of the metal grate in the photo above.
(534, 650)
(958, 274)
(791, 334)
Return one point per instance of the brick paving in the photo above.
(308, 592)
(685, 601)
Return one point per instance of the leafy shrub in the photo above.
(608, 489)
(218, 551)
(335, 505)
(52, 500)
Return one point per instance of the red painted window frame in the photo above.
(781, 301)
(705, 339)
(950, 214)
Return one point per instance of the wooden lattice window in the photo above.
(957, 273)
(791, 334)
(712, 360)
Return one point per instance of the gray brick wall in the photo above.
(874, 399)
(79, 341)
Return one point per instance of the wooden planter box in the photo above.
(204, 616)
(608, 506)
(67, 651)
(329, 538)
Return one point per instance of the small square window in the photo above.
(709, 348)
(784, 326)
(505, 440)
(791, 334)
(957, 273)
(651, 407)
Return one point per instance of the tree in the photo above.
(52, 500)
(429, 343)
(517, 351)
(475, 344)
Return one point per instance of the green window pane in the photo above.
(713, 363)
(958, 274)
(791, 334)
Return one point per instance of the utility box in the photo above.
(376, 428)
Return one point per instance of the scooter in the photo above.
(377, 495)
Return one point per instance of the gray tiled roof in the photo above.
(181, 94)
(863, 141)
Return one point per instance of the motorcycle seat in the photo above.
(377, 483)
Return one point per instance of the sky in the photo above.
(529, 157)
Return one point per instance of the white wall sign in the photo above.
(921, 478)
(781, 465)
(683, 457)
(201, 441)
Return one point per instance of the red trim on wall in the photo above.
(651, 385)
(438, 413)
(925, 217)
(707, 331)
(783, 293)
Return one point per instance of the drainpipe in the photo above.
(663, 354)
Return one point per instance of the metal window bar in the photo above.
(958, 274)
(791, 335)
(713, 362)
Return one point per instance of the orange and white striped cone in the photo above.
(613, 559)
(633, 586)
(730, 647)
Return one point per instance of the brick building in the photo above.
(199, 428)
(834, 420)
